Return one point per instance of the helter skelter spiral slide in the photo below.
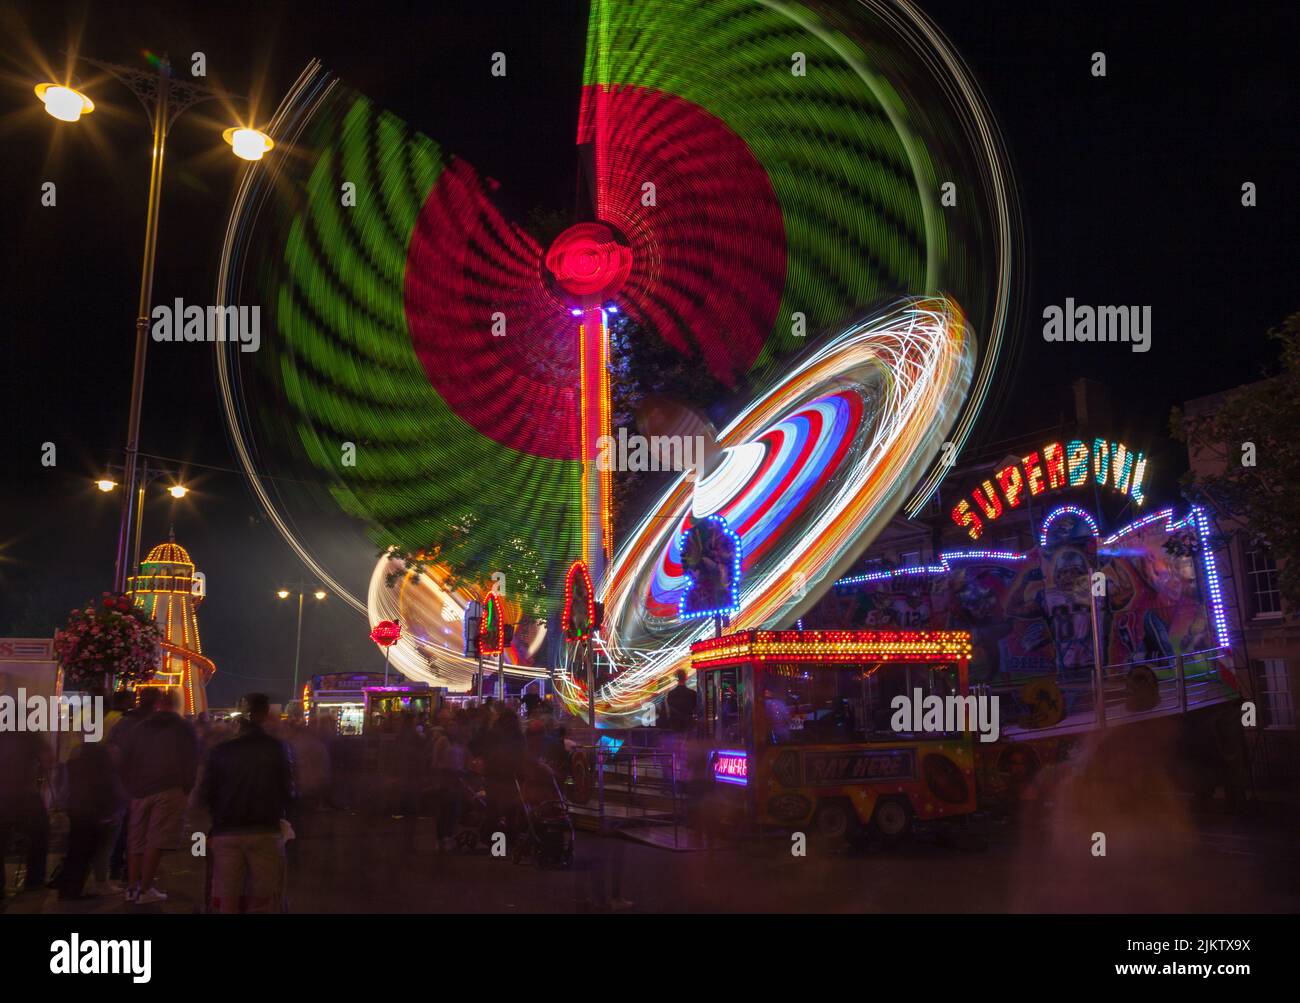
(808, 200)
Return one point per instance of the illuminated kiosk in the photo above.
(339, 697)
(170, 590)
(799, 726)
(385, 706)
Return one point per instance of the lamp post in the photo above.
(148, 474)
(319, 594)
(163, 98)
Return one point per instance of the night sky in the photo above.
(1130, 190)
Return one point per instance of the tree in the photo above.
(642, 364)
(1253, 446)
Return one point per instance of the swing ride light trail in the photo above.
(843, 437)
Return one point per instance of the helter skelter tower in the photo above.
(171, 590)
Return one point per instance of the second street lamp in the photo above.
(317, 593)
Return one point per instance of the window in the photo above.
(728, 705)
(845, 703)
(1273, 689)
(1009, 544)
(1261, 578)
(909, 559)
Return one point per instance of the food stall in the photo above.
(385, 704)
(340, 696)
(800, 727)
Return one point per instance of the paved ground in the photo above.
(1166, 860)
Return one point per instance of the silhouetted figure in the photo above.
(681, 705)
(93, 800)
(503, 760)
(24, 758)
(117, 734)
(248, 788)
(161, 758)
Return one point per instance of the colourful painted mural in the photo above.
(1029, 614)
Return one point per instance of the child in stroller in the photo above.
(547, 833)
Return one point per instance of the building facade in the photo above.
(1266, 631)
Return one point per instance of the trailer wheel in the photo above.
(835, 819)
(892, 819)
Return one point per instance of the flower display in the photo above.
(113, 639)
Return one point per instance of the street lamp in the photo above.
(164, 98)
(147, 475)
(318, 593)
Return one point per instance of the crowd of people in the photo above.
(236, 792)
(440, 762)
(136, 795)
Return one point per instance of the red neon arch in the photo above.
(491, 615)
(571, 630)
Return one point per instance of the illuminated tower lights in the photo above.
(166, 589)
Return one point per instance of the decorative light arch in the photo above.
(491, 626)
(573, 631)
(733, 585)
(1074, 510)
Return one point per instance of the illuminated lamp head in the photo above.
(589, 261)
(67, 104)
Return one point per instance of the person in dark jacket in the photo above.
(160, 760)
(248, 787)
(92, 802)
(503, 760)
(119, 732)
(681, 705)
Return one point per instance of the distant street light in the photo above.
(178, 490)
(164, 98)
(318, 593)
(105, 485)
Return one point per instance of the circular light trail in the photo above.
(843, 439)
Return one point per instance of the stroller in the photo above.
(548, 831)
(472, 819)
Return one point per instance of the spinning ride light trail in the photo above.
(842, 438)
(744, 215)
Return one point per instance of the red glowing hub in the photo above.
(590, 261)
(691, 243)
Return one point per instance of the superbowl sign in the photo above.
(1057, 466)
(860, 766)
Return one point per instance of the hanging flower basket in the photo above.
(114, 640)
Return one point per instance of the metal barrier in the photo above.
(1182, 682)
(633, 787)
